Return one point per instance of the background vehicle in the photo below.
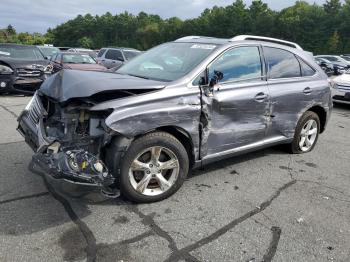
(326, 66)
(180, 105)
(21, 68)
(346, 57)
(90, 52)
(48, 51)
(116, 57)
(78, 61)
(341, 88)
(340, 64)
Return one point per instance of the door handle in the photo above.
(307, 91)
(261, 97)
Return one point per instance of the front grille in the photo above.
(344, 88)
(35, 110)
(25, 72)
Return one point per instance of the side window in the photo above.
(102, 51)
(281, 63)
(306, 70)
(114, 55)
(53, 57)
(241, 63)
(58, 58)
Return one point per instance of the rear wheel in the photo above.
(306, 133)
(154, 167)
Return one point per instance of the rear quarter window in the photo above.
(281, 63)
(306, 70)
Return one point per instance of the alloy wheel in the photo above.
(308, 135)
(154, 171)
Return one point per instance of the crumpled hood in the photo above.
(19, 63)
(68, 84)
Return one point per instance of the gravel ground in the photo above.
(262, 206)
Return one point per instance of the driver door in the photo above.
(240, 100)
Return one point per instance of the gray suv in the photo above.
(116, 57)
(179, 106)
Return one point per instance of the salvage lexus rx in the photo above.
(179, 106)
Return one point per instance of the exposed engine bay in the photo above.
(73, 137)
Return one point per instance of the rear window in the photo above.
(306, 70)
(130, 54)
(281, 63)
(114, 54)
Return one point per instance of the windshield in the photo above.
(78, 59)
(167, 62)
(48, 51)
(21, 52)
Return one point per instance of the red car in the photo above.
(77, 61)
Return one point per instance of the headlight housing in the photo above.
(5, 70)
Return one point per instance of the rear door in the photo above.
(292, 87)
(240, 100)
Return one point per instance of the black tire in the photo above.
(294, 146)
(156, 139)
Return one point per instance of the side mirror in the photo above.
(217, 77)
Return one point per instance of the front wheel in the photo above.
(154, 167)
(306, 133)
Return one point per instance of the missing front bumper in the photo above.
(77, 167)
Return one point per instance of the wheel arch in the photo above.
(322, 114)
(184, 137)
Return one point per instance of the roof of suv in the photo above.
(238, 39)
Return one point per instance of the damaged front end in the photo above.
(68, 140)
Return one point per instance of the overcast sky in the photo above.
(39, 15)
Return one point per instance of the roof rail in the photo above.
(194, 37)
(266, 39)
(188, 37)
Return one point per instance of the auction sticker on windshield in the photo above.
(201, 46)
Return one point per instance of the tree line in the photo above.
(317, 28)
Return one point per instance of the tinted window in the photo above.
(102, 51)
(238, 64)
(130, 54)
(306, 70)
(114, 54)
(281, 63)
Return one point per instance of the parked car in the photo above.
(341, 88)
(116, 57)
(346, 57)
(140, 130)
(326, 66)
(78, 61)
(90, 52)
(340, 64)
(22, 68)
(48, 51)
